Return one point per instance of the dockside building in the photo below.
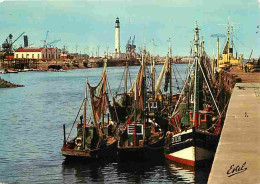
(37, 53)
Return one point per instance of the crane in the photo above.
(133, 41)
(250, 55)
(129, 41)
(50, 44)
(8, 45)
(218, 35)
(133, 46)
(128, 45)
(45, 41)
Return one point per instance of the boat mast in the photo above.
(135, 113)
(231, 38)
(153, 72)
(85, 105)
(135, 105)
(126, 73)
(103, 115)
(144, 91)
(217, 53)
(105, 65)
(153, 78)
(159, 80)
(196, 78)
(85, 114)
(170, 67)
(228, 42)
(202, 46)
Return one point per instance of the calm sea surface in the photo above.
(31, 133)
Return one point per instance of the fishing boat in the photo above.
(12, 71)
(96, 138)
(3, 71)
(123, 101)
(196, 122)
(140, 136)
(161, 101)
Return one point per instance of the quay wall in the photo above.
(237, 156)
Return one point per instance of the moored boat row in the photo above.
(144, 122)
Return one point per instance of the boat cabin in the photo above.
(135, 134)
(204, 119)
(153, 106)
(90, 138)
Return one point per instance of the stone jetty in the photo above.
(7, 84)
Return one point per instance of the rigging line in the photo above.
(156, 74)
(120, 82)
(223, 111)
(181, 85)
(221, 114)
(209, 89)
(149, 78)
(89, 118)
(208, 67)
(234, 47)
(178, 73)
(113, 101)
(178, 87)
(211, 69)
(186, 81)
(76, 118)
(240, 41)
(224, 45)
(129, 76)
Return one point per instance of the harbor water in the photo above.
(31, 134)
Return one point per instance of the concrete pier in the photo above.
(237, 158)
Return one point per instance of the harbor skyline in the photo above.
(85, 25)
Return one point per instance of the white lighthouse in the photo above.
(117, 37)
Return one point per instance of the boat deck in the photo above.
(237, 158)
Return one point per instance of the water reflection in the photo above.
(141, 171)
(117, 171)
(83, 171)
(180, 173)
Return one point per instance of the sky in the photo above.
(91, 24)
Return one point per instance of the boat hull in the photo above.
(104, 152)
(146, 152)
(193, 147)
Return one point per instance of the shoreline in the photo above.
(72, 64)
